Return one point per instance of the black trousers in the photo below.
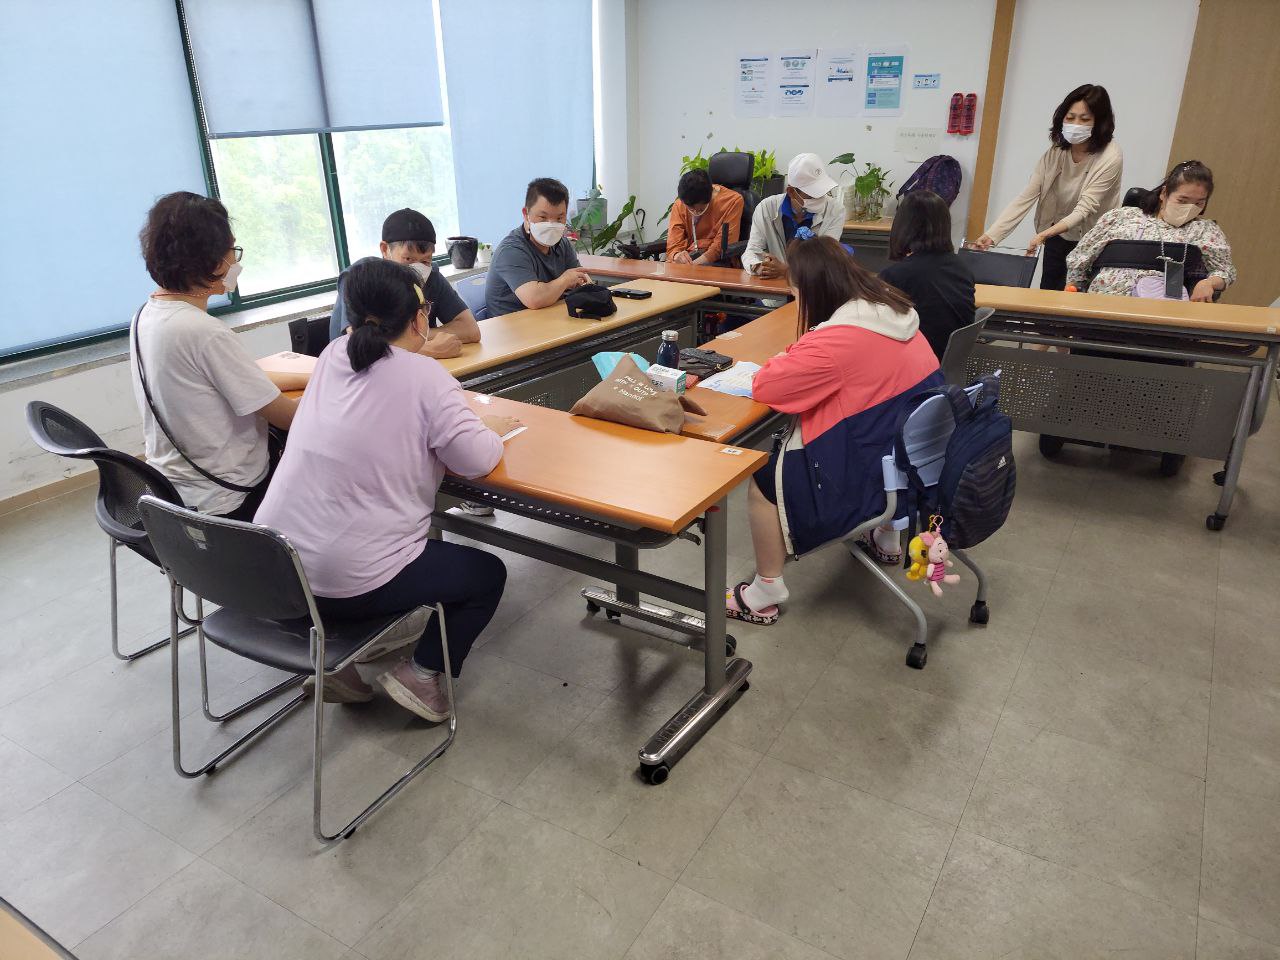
(468, 582)
(1053, 265)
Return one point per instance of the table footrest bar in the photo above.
(694, 719)
(685, 623)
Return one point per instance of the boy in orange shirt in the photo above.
(694, 233)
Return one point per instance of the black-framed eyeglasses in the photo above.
(237, 252)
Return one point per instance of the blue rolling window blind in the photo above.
(304, 66)
(520, 105)
(79, 171)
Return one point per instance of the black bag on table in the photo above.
(591, 301)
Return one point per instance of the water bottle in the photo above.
(669, 352)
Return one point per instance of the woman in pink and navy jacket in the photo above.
(858, 366)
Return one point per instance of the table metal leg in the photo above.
(720, 680)
(627, 557)
(1217, 520)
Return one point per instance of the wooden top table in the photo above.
(636, 478)
(1218, 319)
(883, 225)
(725, 278)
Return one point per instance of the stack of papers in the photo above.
(736, 381)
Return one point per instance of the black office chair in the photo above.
(122, 479)
(999, 269)
(733, 170)
(309, 335)
(267, 613)
(960, 345)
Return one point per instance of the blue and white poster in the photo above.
(885, 69)
(839, 82)
(793, 89)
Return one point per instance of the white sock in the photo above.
(764, 592)
(887, 540)
(421, 672)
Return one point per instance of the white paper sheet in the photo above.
(918, 143)
(793, 90)
(839, 92)
(736, 381)
(751, 84)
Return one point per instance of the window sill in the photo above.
(20, 373)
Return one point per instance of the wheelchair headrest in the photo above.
(732, 169)
(1133, 196)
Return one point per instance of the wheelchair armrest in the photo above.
(644, 251)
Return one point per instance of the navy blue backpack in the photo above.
(975, 490)
(941, 174)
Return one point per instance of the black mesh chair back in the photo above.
(123, 481)
(1133, 196)
(309, 335)
(999, 269)
(58, 432)
(247, 568)
(733, 170)
(960, 345)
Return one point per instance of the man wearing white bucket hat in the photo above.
(806, 208)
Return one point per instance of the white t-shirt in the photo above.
(208, 389)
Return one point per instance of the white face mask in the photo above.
(1076, 132)
(548, 234)
(815, 206)
(230, 277)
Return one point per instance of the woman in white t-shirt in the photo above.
(205, 404)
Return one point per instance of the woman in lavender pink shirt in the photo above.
(375, 432)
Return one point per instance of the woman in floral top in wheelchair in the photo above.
(1172, 213)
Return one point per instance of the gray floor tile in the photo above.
(1131, 552)
(1215, 942)
(520, 886)
(1246, 653)
(203, 914)
(25, 780)
(1101, 813)
(1240, 886)
(589, 785)
(995, 901)
(900, 744)
(75, 862)
(1036, 533)
(1244, 741)
(1169, 632)
(689, 926)
(1144, 712)
(345, 888)
(832, 866)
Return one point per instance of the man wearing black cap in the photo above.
(409, 238)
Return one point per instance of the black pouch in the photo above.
(590, 301)
(703, 363)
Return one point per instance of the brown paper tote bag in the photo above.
(628, 396)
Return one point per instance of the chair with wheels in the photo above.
(471, 290)
(960, 345)
(309, 335)
(999, 269)
(267, 613)
(733, 171)
(122, 479)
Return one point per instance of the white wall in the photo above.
(685, 64)
(1137, 49)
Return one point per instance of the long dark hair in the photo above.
(826, 277)
(382, 298)
(921, 224)
(1188, 171)
(1098, 101)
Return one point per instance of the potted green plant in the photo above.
(695, 162)
(484, 255)
(871, 189)
(590, 237)
(849, 194)
(593, 207)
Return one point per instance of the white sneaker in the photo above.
(425, 697)
(476, 509)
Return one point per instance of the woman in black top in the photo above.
(925, 267)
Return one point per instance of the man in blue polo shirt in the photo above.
(535, 263)
(806, 204)
(408, 237)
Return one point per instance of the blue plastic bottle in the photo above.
(669, 352)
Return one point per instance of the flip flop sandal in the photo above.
(872, 549)
(745, 613)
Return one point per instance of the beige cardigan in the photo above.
(1060, 197)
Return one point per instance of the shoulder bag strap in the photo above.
(146, 392)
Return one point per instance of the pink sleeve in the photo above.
(458, 437)
(798, 380)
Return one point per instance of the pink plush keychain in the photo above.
(930, 558)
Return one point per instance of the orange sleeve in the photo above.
(726, 207)
(677, 229)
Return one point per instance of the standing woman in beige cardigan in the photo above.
(1075, 182)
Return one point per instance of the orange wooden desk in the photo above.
(637, 489)
(728, 280)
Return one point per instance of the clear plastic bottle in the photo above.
(669, 351)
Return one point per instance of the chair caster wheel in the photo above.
(1220, 478)
(1051, 446)
(613, 616)
(655, 774)
(1215, 521)
(592, 607)
(1171, 463)
(917, 656)
(730, 645)
(744, 686)
(979, 613)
